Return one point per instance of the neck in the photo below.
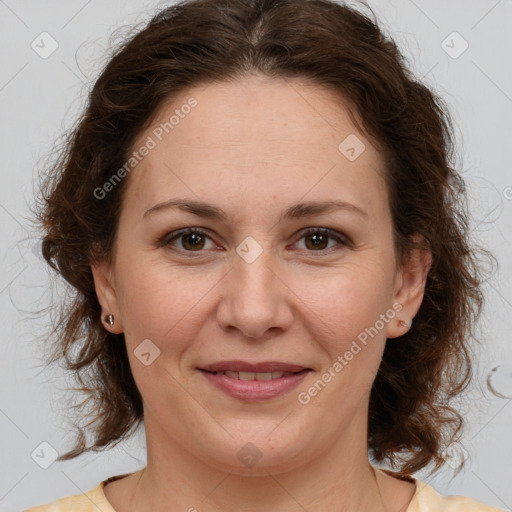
(340, 479)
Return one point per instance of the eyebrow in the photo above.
(296, 211)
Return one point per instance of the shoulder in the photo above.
(91, 501)
(427, 499)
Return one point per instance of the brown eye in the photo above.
(317, 239)
(188, 240)
(192, 241)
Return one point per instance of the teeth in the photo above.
(254, 375)
(265, 376)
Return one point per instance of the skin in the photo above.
(254, 147)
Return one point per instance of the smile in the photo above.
(255, 376)
(254, 381)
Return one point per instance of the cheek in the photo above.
(348, 313)
(166, 306)
(344, 314)
(161, 302)
(344, 301)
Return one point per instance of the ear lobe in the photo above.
(410, 284)
(106, 293)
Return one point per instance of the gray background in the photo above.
(39, 98)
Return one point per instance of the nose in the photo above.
(256, 300)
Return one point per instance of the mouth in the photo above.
(254, 381)
(255, 375)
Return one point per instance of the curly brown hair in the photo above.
(411, 419)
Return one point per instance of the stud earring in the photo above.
(403, 323)
(110, 320)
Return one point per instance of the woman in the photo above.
(271, 264)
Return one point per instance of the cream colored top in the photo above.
(425, 499)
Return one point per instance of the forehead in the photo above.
(254, 137)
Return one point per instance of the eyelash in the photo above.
(167, 240)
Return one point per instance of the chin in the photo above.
(257, 451)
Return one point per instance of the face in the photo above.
(264, 280)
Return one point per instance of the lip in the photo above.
(254, 390)
(245, 366)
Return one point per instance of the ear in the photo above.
(104, 284)
(409, 289)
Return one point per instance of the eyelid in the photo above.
(341, 238)
(175, 235)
